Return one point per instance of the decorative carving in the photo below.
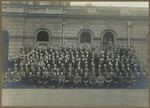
(109, 24)
(41, 24)
(91, 10)
(45, 10)
(124, 12)
(35, 26)
(86, 25)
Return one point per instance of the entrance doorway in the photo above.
(5, 49)
(43, 36)
(108, 36)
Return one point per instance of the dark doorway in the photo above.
(43, 36)
(5, 47)
(85, 37)
(108, 36)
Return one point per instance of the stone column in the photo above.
(63, 31)
(129, 33)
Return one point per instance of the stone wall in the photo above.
(23, 30)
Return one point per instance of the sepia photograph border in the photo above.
(54, 89)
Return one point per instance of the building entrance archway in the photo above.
(85, 36)
(42, 36)
(108, 36)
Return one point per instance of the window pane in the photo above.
(42, 36)
(85, 37)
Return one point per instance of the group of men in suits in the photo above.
(75, 67)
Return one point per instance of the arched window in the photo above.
(108, 36)
(85, 37)
(43, 36)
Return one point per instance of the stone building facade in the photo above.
(70, 25)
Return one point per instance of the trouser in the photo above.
(100, 84)
(68, 84)
(85, 84)
(77, 84)
(114, 85)
(107, 84)
(60, 83)
(54, 83)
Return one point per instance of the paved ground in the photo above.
(74, 97)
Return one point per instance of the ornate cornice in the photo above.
(75, 10)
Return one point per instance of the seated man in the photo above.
(61, 79)
(17, 79)
(86, 80)
(54, 80)
(77, 80)
(100, 80)
(120, 80)
(68, 80)
(45, 76)
(108, 80)
(127, 81)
